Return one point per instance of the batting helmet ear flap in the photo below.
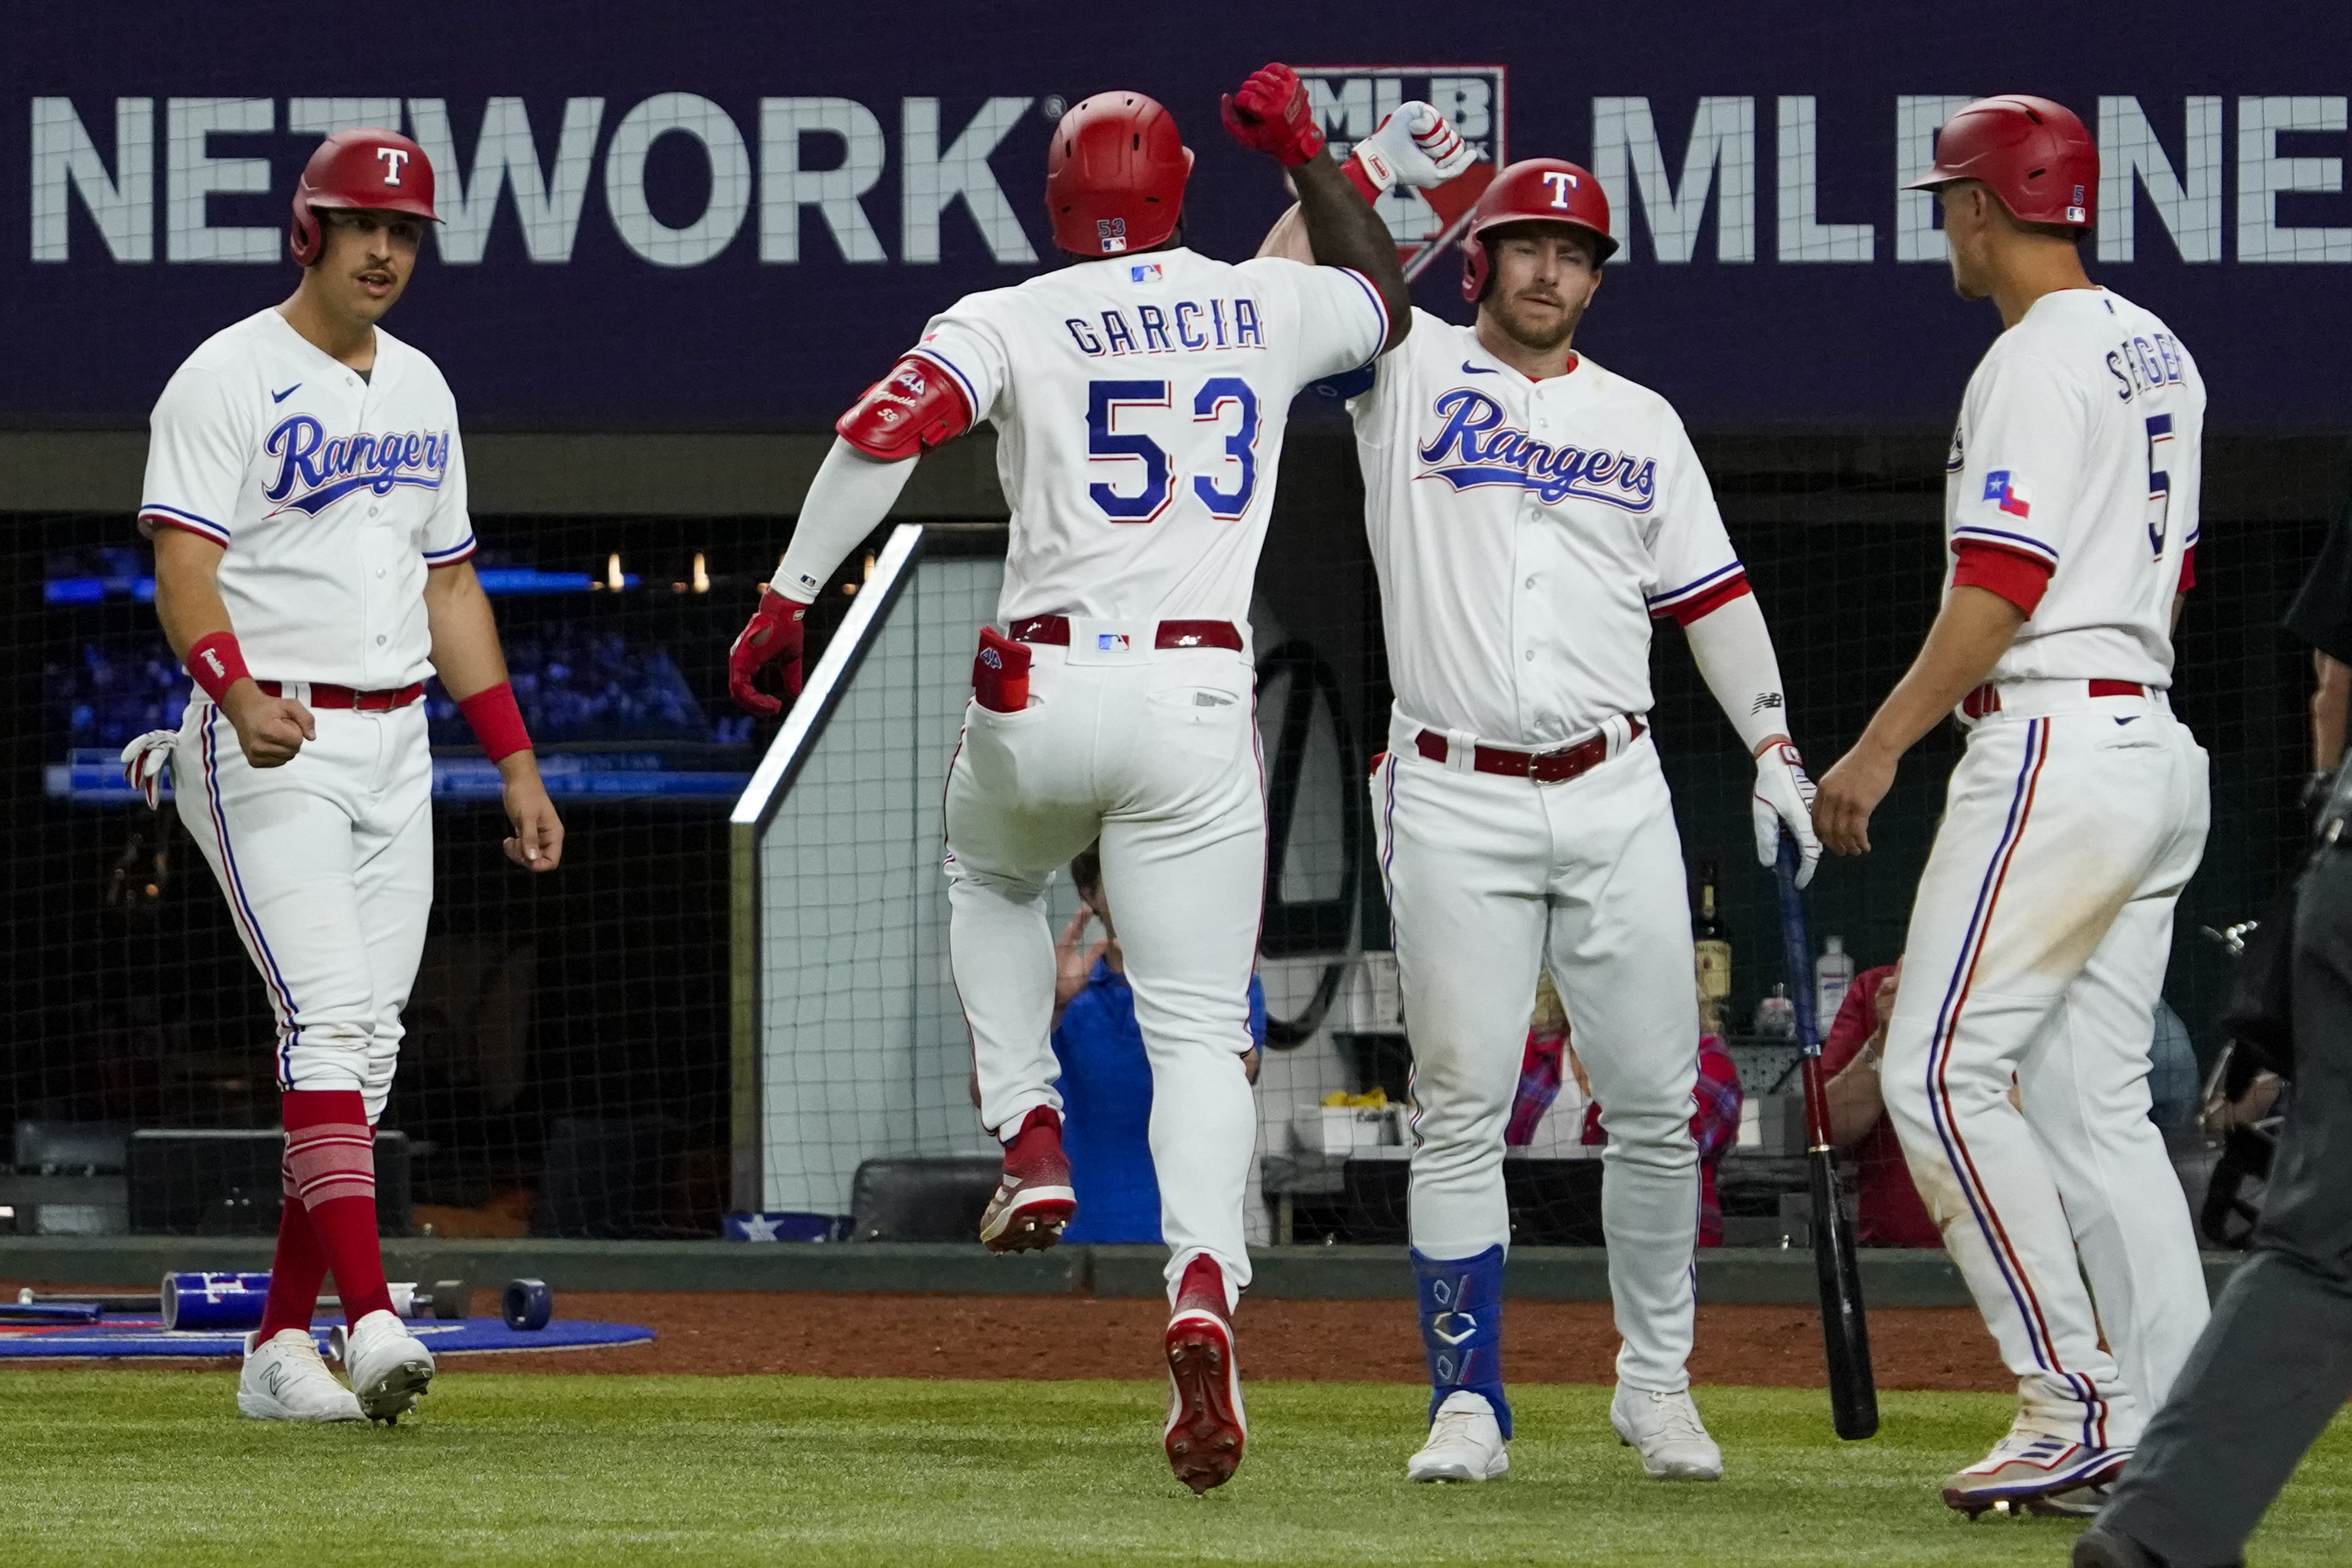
(303, 239)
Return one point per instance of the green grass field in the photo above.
(117, 1467)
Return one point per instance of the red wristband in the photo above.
(497, 721)
(1360, 177)
(217, 663)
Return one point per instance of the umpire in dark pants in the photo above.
(2275, 1365)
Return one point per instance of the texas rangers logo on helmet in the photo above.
(1561, 182)
(391, 158)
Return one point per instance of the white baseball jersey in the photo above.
(333, 495)
(1139, 403)
(2079, 446)
(1525, 533)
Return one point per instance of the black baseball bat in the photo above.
(1846, 1329)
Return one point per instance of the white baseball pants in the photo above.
(1155, 752)
(327, 864)
(2036, 954)
(1491, 879)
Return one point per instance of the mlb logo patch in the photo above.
(1147, 272)
(1349, 101)
(1112, 233)
(1110, 642)
(2007, 492)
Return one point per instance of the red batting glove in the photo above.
(1271, 114)
(774, 634)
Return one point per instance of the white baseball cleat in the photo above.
(1666, 1429)
(389, 1366)
(2027, 1469)
(1465, 1442)
(286, 1381)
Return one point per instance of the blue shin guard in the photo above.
(1462, 1328)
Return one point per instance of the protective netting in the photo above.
(572, 1063)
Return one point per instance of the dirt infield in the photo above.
(835, 1335)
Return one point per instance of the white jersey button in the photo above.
(379, 642)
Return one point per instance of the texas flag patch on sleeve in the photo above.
(2008, 493)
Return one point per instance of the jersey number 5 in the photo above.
(1218, 396)
(2159, 479)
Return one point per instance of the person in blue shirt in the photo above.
(1105, 1082)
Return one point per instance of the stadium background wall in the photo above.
(649, 345)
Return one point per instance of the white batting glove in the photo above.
(1784, 795)
(143, 762)
(1415, 146)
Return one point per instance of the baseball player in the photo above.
(1139, 397)
(306, 494)
(2043, 923)
(1530, 514)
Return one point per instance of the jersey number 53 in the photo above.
(1232, 477)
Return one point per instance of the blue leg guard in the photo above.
(1462, 1328)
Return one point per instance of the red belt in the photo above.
(1544, 767)
(1054, 631)
(1986, 698)
(325, 695)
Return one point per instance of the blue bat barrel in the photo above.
(214, 1303)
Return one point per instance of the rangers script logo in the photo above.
(1476, 448)
(314, 473)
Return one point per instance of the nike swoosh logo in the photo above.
(1469, 369)
(2120, 722)
(282, 396)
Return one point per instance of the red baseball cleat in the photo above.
(1206, 1429)
(1033, 1200)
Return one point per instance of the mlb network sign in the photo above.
(146, 173)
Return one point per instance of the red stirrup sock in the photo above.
(331, 1153)
(298, 1269)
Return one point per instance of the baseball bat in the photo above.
(1845, 1330)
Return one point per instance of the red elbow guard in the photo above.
(914, 408)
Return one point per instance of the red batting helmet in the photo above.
(1115, 175)
(379, 171)
(2034, 154)
(1535, 190)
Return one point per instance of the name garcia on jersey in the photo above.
(314, 472)
(1476, 448)
(1187, 325)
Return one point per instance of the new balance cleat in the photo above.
(2026, 1468)
(286, 1381)
(1034, 1199)
(1465, 1442)
(389, 1366)
(1665, 1427)
(1206, 1429)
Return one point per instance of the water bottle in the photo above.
(1833, 972)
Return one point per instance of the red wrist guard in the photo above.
(497, 721)
(217, 663)
(1360, 175)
